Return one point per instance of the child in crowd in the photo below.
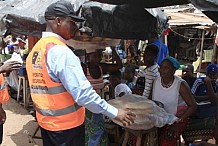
(129, 75)
(151, 71)
(120, 89)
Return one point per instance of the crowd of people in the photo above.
(67, 93)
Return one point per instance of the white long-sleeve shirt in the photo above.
(64, 66)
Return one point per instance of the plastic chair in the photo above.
(22, 86)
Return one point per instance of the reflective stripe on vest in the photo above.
(67, 110)
(55, 107)
(51, 91)
(3, 90)
(3, 86)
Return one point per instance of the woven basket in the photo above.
(199, 129)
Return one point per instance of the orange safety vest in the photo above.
(4, 95)
(56, 109)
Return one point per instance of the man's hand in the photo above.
(2, 116)
(126, 117)
(10, 66)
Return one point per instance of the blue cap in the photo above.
(175, 63)
(10, 46)
(212, 68)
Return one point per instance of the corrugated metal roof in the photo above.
(180, 18)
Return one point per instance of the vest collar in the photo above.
(48, 34)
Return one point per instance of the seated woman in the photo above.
(94, 70)
(177, 98)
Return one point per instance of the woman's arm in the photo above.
(201, 98)
(187, 96)
(150, 95)
(196, 88)
(211, 94)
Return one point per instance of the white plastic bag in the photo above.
(15, 57)
(12, 80)
(148, 114)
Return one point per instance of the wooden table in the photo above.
(151, 138)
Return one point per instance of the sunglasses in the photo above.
(78, 24)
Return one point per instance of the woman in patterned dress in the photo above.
(94, 70)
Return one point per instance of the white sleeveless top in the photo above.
(170, 97)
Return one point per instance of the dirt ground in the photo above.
(19, 126)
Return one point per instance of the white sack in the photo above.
(148, 114)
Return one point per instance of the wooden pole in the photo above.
(214, 52)
(125, 48)
(165, 40)
(216, 125)
(214, 56)
(215, 48)
(202, 49)
(32, 41)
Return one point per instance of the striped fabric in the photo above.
(150, 74)
(196, 84)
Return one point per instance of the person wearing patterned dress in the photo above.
(94, 70)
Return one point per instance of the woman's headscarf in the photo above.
(174, 62)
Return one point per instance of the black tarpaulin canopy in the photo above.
(127, 20)
(26, 16)
(146, 3)
(121, 21)
(209, 8)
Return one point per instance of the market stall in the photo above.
(190, 32)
